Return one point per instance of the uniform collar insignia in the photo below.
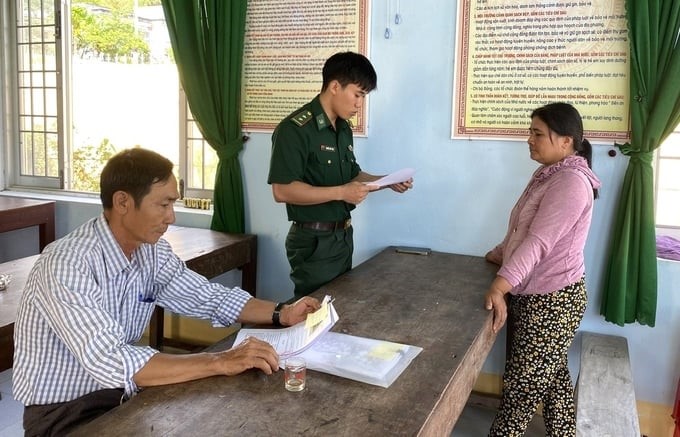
(302, 118)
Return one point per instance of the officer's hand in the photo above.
(402, 187)
(355, 192)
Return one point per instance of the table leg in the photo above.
(156, 328)
(46, 229)
(249, 272)
(6, 347)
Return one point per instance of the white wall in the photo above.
(463, 190)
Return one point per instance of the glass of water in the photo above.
(295, 373)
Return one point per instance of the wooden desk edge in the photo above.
(451, 403)
(36, 213)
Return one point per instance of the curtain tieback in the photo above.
(230, 150)
(635, 155)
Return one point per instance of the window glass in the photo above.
(124, 87)
(668, 182)
(104, 82)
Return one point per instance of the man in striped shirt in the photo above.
(91, 294)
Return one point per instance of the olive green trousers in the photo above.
(317, 257)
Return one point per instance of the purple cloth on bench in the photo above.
(667, 247)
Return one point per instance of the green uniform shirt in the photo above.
(306, 148)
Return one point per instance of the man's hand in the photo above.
(164, 368)
(402, 187)
(297, 312)
(355, 192)
(251, 353)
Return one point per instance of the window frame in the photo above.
(9, 53)
(13, 107)
(673, 230)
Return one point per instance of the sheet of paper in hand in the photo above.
(394, 178)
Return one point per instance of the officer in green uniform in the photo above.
(314, 172)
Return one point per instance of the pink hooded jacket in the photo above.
(543, 249)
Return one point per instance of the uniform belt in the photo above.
(324, 226)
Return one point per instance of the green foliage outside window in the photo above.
(111, 37)
(88, 163)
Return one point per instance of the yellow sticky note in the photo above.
(316, 317)
(385, 351)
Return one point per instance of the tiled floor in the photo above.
(475, 421)
(11, 411)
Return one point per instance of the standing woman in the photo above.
(541, 266)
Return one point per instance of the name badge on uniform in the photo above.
(325, 148)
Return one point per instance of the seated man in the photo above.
(91, 294)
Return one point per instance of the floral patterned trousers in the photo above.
(536, 369)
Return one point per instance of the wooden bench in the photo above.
(605, 396)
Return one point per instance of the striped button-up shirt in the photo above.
(85, 305)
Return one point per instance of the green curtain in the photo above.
(207, 40)
(631, 277)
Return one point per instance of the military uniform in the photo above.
(306, 148)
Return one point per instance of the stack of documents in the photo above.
(361, 359)
(295, 339)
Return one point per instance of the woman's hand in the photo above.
(495, 300)
(494, 257)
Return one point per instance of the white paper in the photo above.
(293, 339)
(394, 178)
(361, 359)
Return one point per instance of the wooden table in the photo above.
(9, 303)
(19, 213)
(435, 302)
(207, 252)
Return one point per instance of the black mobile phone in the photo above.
(413, 250)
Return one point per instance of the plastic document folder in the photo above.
(362, 359)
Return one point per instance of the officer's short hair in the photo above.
(349, 68)
(132, 171)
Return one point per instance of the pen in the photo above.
(146, 299)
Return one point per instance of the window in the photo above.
(93, 78)
(667, 181)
